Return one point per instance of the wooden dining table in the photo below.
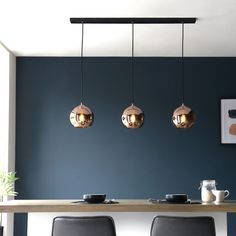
(132, 217)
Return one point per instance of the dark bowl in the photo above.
(176, 198)
(94, 198)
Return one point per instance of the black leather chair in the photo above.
(83, 226)
(183, 226)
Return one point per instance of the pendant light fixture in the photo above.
(133, 116)
(82, 116)
(183, 117)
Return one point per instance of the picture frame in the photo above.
(228, 121)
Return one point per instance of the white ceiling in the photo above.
(42, 27)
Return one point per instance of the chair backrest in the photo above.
(183, 226)
(83, 226)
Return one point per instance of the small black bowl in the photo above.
(94, 198)
(176, 198)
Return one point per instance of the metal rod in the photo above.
(141, 20)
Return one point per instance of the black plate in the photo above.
(157, 201)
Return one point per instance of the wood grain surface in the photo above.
(21, 206)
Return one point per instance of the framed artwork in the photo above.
(228, 121)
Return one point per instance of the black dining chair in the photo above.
(83, 226)
(183, 226)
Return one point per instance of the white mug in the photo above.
(220, 195)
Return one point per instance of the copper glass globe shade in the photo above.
(183, 117)
(81, 117)
(132, 117)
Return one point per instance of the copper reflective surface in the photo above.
(183, 117)
(81, 117)
(132, 117)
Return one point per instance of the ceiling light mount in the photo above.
(136, 20)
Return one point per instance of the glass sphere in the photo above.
(183, 117)
(132, 117)
(81, 117)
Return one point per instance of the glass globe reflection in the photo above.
(132, 117)
(183, 117)
(81, 117)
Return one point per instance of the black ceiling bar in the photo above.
(168, 20)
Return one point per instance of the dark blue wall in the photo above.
(55, 160)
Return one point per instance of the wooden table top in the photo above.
(53, 205)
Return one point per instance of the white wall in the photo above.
(7, 121)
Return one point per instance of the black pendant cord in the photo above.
(132, 66)
(183, 74)
(82, 63)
